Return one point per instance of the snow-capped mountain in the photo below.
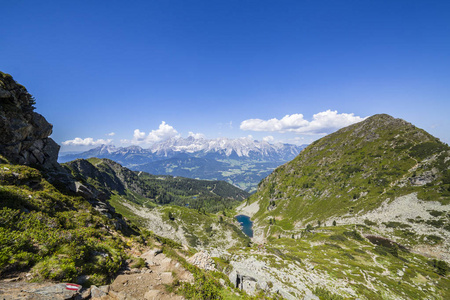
(241, 147)
(243, 161)
(244, 148)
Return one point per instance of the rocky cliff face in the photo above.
(24, 134)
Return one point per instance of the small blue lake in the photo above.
(246, 224)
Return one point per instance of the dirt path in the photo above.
(146, 283)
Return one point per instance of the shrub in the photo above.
(440, 266)
(333, 246)
(436, 223)
(338, 237)
(56, 268)
(138, 262)
(349, 255)
(205, 288)
(369, 223)
(434, 239)
(426, 149)
(392, 224)
(354, 235)
(324, 294)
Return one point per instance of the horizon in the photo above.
(149, 147)
(287, 72)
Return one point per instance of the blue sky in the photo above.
(146, 70)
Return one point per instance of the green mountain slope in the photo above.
(354, 170)
(143, 188)
(363, 213)
(57, 235)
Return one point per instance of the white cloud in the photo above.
(86, 142)
(268, 139)
(322, 123)
(164, 132)
(196, 135)
(139, 135)
(111, 134)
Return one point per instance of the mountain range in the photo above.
(242, 162)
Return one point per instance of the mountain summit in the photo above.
(378, 171)
(355, 169)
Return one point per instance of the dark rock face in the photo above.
(23, 132)
(24, 140)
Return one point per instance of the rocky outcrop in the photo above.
(24, 134)
(109, 175)
(202, 260)
(24, 139)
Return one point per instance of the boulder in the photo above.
(152, 295)
(55, 291)
(98, 292)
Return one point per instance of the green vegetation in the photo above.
(59, 237)
(426, 149)
(353, 171)
(345, 261)
(324, 294)
(440, 267)
(199, 227)
(150, 190)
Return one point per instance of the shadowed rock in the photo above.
(24, 134)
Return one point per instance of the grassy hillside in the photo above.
(338, 262)
(361, 213)
(184, 225)
(57, 236)
(353, 171)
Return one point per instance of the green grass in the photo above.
(54, 235)
(344, 174)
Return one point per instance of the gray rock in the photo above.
(98, 292)
(152, 295)
(24, 134)
(56, 291)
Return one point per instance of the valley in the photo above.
(362, 213)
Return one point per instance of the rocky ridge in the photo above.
(24, 134)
